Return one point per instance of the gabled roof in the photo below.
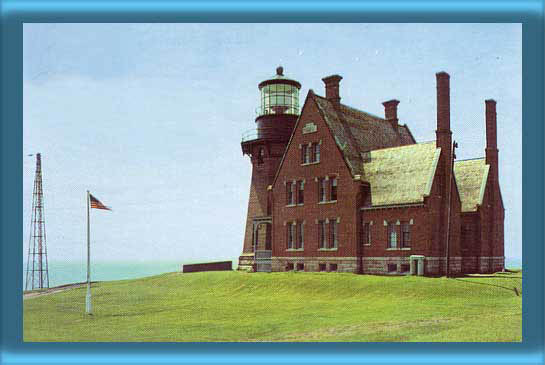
(471, 176)
(401, 175)
(356, 132)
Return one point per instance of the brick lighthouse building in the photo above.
(338, 189)
(276, 117)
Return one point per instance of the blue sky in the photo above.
(149, 117)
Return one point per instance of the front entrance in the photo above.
(416, 265)
(262, 237)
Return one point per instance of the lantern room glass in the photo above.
(279, 98)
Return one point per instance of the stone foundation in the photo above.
(314, 264)
(498, 263)
(246, 262)
(489, 265)
(433, 266)
(379, 265)
(438, 265)
(470, 265)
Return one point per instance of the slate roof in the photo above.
(401, 175)
(357, 132)
(471, 176)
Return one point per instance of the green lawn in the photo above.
(234, 306)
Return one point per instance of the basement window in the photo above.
(289, 266)
(392, 268)
(332, 267)
(321, 267)
(300, 267)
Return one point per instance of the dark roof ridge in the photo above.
(470, 159)
(356, 109)
(402, 146)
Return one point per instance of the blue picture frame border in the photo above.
(16, 12)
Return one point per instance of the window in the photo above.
(332, 267)
(290, 193)
(300, 235)
(392, 236)
(291, 234)
(366, 233)
(405, 235)
(333, 188)
(322, 188)
(315, 152)
(392, 267)
(289, 266)
(300, 267)
(322, 235)
(333, 233)
(304, 154)
(301, 193)
(260, 156)
(310, 153)
(321, 267)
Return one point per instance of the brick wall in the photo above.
(208, 266)
(331, 164)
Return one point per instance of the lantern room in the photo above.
(279, 95)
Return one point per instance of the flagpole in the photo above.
(88, 296)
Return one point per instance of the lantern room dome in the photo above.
(279, 95)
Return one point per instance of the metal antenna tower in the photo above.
(37, 275)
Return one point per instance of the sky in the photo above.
(149, 118)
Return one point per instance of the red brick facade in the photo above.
(361, 236)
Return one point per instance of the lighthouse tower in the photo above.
(276, 117)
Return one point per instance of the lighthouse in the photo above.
(276, 116)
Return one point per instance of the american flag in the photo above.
(95, 203)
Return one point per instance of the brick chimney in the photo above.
(491, 139)
(390, 112)
(444, 168)
(443, 133)
(332, 88)
(491, 151)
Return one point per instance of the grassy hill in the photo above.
(234, 306)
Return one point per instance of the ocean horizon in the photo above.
(69, 272)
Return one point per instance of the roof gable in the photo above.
(310, 102)
(401, 175)
(471, 176)
(357, 132)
